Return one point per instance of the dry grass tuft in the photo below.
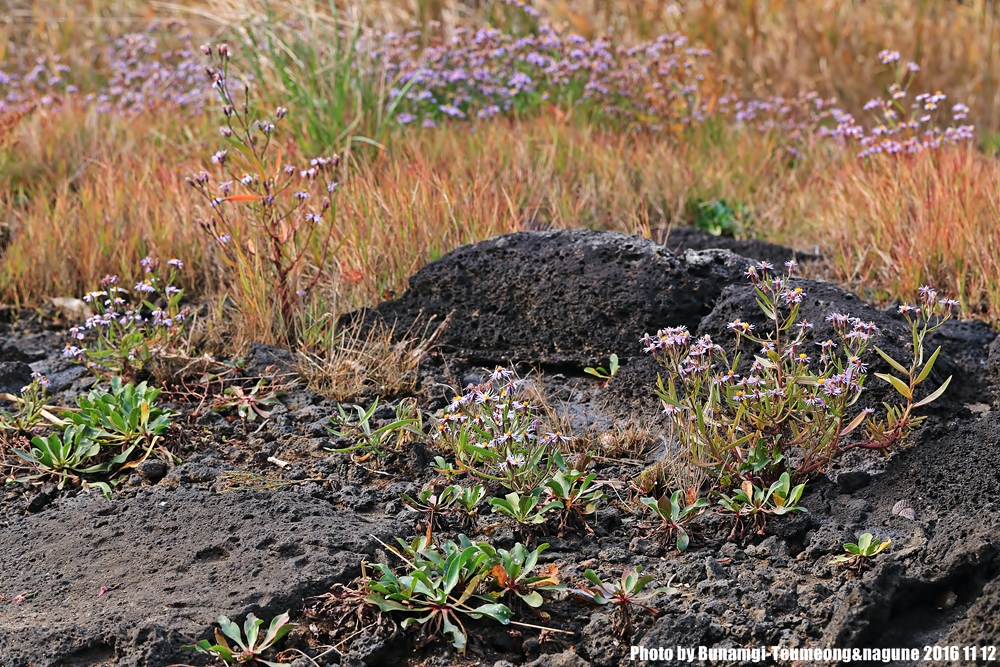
(369, 360)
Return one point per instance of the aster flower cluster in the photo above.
(265, 214)
(133, 326)
(476, 74)
(494, 433)
(790, 409)
(796, 120)
(482, 73)
(903, 123)
(141, 74)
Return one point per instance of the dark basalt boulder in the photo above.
(13, 376)
(558, 297)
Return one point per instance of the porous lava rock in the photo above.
(92, 582)
(557, 297)
(128, 582)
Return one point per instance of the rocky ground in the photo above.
(88, 581)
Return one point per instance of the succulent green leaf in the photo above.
(498, 612)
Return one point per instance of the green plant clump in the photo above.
(250, 646)
(439, 588)
(718, 217)
(751, 505)
(491, 429)
(603, 373)
(101, 438)
(127, 415)
(31, 408)
(131, 327)
(249, 406)
(675, 512)
(786, 412)
(624, 595)
(860, 553)
(374, 440)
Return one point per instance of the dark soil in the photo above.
(86, 581)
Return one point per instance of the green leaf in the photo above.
(892, 362)
(251, 627)
(117, 421)
(279, 628)
(386, 604)
(796, 494)
(592, 577)
(232, 631)
(767, 310)
(121, 458)
(458, 638)
(103, 486)
(453, 568)
(682, 539)
(936, 395)
(928, 366)
(899, 385)
(533, 599)
(498, 612)
(394, 425)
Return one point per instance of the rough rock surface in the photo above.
(557, 297)
(13, 376)
(128, 582)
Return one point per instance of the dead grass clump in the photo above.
(628, 440)
(369, 360)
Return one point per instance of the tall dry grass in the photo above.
(934, 218)
(88, 194)
(85, 195)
